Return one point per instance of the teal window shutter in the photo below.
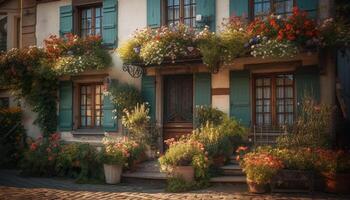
(202, 89)
(240, 96)
(110, 23)
(207, 8)
(66, 20)
(148, 90)
(65, 106)
(154, 13)
(307, 82)
(311, 6)
(239, 8)
(109, 120)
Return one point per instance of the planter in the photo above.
(293, 181)
(219, 161)
(184, 172)
(112, 173)
(257, 188)
(337, 183)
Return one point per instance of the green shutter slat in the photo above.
(65, 106)
(66, 20)
(307, 84)
(154, 13)
(311, 6)
(110, 23)
(239, 8)
(148, 90)
(240, 96)
(202, 89)
(109, 121)
(207, 8)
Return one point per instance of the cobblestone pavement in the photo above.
(13, 186)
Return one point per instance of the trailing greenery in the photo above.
(12, 137)
(124, 97)
(32, 73)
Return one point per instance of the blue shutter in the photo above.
(66, 20)
(307, 84)
(207, 8)
(154, 13)
(202, 89)
(240, 96)
(110, 23)
(148, 90)
(65, 106)
(239, 8)
(109, 121)
(311, 6)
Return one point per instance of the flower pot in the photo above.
(337, 183)
(257, 188)
(184, 172)
(112, 173)
(219, 161)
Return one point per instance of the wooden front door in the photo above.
(178, 105)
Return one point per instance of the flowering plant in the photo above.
(274, 48)
(333, 162)
(260, 166)
(185, 153)
(114, 151)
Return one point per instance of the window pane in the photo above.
(187, 11)
(3, 33)
(176, 2)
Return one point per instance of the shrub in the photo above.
(12, 137)
(78, 160)
(137, 122)
(123, 96)
(235, 132)
(206, 114)
(311, 128)
(40, 158)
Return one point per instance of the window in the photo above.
(4, 102)
(3, 32)
(91, 21)
(181, 11)
(274, 100)
(263, 8)
(91, 105)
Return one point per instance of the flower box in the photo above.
(293, 181)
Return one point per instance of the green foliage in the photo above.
(177, 185)
(136, 152)
(113, 152)
(137, 122)
(12, 141)
(235, 132)
(129, 51)
(311, 128)
(206, 114)
(124, 97)
(274, 49)
(78, 160)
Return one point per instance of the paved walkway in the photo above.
(13, 186)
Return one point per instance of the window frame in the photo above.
(273, 97)
(272, 8)
(181, 12)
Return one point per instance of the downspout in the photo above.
(20, 22)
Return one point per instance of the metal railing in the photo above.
(266, 135)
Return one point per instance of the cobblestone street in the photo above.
(13, 186)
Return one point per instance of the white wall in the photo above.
(47, 19)
(222, 12)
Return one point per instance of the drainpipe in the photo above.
(20, 24)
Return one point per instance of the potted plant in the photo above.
(335, 169)
(113, 155)
(260, 167)
(185, 159)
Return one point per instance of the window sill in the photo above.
(88, 132)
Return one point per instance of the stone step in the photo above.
(232, 170)
(229, 179)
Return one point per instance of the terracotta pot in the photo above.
(184, 172)
(112, 173)
(219, 161)
(337, 183)
(257, 188)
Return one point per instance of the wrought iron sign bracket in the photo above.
(135, 71)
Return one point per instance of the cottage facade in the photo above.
(261, 93)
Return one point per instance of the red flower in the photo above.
(33, 146)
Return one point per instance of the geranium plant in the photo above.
(114, 152)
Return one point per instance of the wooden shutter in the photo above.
(109, 121)
(207, 8)
(240, 96)
(307, 84)
(148, 90)
(65, 106)
(66, 20)
(154, 13)
(311, 6)
(110, 23)
(202, 89)
(239, 8)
